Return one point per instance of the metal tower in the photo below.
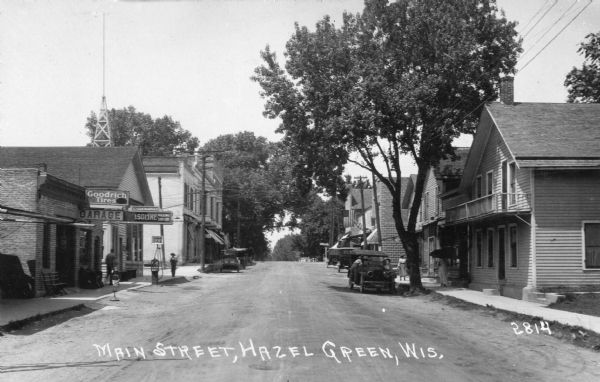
(102, 136)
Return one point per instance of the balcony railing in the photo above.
(489, 205)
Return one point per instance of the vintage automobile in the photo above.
(346, 256)
(229, 262)
(373, 271)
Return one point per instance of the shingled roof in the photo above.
(549, 130)
(101, 167)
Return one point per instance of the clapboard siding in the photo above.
(130, 183)
(515, 277)
(563, 199)
(494, 154)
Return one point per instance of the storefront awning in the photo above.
(373, 238)
(34, 215)
(215, 236)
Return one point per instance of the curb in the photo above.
(17, 324)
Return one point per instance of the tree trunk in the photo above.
(411, 247)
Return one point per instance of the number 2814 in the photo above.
(527, 328)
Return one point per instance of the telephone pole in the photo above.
(203, 213)
(362, 206)
(377, 218)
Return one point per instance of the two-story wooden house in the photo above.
(529, 199)
(439, 180)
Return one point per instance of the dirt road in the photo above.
(286, 322)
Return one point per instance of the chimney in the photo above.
(507, 90)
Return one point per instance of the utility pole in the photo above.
(377, 218)
(162, 230)
(239, 230)
(203, 213)
(362, 206)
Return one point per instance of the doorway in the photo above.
(501, 253)
(65, 254)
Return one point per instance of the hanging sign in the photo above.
(151, 217)
(105, 197)
(104, 215)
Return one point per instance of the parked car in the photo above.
(230, 262)
(372, 271)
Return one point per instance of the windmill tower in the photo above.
(102, 136)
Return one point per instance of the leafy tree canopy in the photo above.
(583, 84)
(288, 248)
(158, 137)
(401, 78)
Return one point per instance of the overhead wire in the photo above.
(535, 15)
(548, 29)
(540, 19)
(555, 37)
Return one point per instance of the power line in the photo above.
(535, 15)
(552, 25)
(541, 18)
(555, 36)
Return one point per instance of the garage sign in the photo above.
(104, 215)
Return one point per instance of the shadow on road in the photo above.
(38, 323)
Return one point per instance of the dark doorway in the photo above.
(65, 254)
(501, 253)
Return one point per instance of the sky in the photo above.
(192, 60)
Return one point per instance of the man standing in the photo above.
(173, 264)
(110, 265)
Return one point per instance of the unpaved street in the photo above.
(286, 322)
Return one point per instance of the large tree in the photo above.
(252, 194)
(583, 84)
(402, 78)
(159, 136)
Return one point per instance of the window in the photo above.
(437, 201)
(489, 183)
(478, 187)
(46, 247)
(478, 246)
(512, 171)
(490, 248)
(185, 194)
(512, 236)
(591, 240)
(426, 206)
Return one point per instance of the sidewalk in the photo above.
(524, 307)
(15, 310)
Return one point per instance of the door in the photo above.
(501, 253)
(65, 254)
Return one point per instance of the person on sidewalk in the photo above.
(443, 272)
(402, 266)
(110, 261)
(173, 261)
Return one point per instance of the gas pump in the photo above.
(155, 262)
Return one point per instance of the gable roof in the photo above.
(84, 166)
(452, 167)
(549, 130)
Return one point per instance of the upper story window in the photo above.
(426, 206)
(489, 183)
(512, 185)
(478, 187)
